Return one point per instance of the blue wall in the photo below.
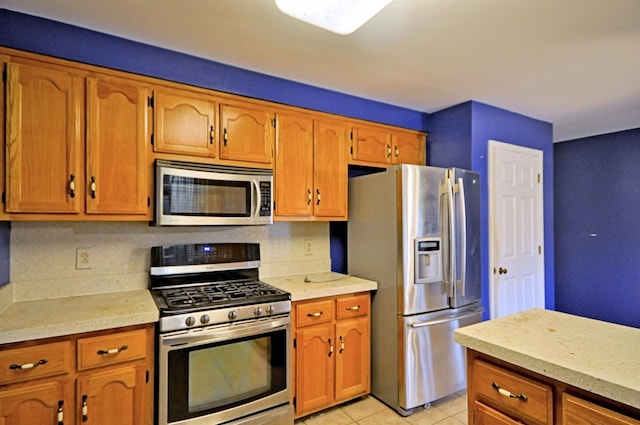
(5, 229)
(33, 34)
(459, 136)
(597, 215)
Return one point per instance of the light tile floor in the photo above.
(368, 410)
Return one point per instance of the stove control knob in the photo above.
(257, 311)
(190, 321)
(232, 315)
(270, 309)
(204, 319)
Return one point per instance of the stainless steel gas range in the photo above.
(224, 337)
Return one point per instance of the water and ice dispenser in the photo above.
(428, 260)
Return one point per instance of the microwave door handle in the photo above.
(258, 198)
(463, 236)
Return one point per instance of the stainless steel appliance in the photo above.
(189, 194)
(224, 337)
(416, 231)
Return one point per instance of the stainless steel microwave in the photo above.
(190, 194)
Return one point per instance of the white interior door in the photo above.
(516, 227)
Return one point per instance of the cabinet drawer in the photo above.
(484, 415)
(314, 312)
(352, 306)
(37, 361)
(109, 349)
(513, 394)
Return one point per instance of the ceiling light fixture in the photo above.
(339, 16)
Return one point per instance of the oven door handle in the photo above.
(194, 337)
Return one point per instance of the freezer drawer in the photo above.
(433, 365)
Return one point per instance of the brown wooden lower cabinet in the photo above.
(332, 346)
(111, 372)
(501, 393)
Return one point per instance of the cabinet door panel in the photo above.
(371, 144)
(330, 170)
(117, 176)
(247, 134)
(112, 397)
(409, 148)
(294, 166)
(184, 123)
(315, 351)
(352, 358)
(44, 136)
(35, 404)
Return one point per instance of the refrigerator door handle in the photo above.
(452, 237)
(463, 237)
(446, 319)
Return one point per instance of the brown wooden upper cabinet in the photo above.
(311, 168)
(374, 145)
(117, 175)
(184, 123)
(247, 133)
(47, 170)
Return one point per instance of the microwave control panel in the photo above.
(265, 196)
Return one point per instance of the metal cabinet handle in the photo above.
(341, 345)
(309, 196)
(318, 196)
(353, 308)
(85, 409)
(317, 314)
(211, 136)
(506, 393)
(15, 366)
(92, 187)
(72, 186)
(388, 151)
(397, 151)
(112, 350)
(330, 348)
(60, 412)
(225, 136)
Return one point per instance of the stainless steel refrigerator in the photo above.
(416, 231)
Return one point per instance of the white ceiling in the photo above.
(574, 63)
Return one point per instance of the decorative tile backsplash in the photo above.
(43, 254)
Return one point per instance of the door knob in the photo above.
(502, 271)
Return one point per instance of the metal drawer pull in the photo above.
(353, 308)
(60, 412)
(112, 351)
(341, 344)
(14, 366)
(330, 348)
(318, 314)
(508, 393)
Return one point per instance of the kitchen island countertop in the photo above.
(317, 285)
(599, 357)
(28, 320)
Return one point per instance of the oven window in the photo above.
(202, 197)
(211, 378)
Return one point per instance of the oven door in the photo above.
(222, 373)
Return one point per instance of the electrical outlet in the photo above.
(84, 258)
(308, 247)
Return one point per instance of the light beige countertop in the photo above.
(599, 357)
(28, 320)
(317, 285)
